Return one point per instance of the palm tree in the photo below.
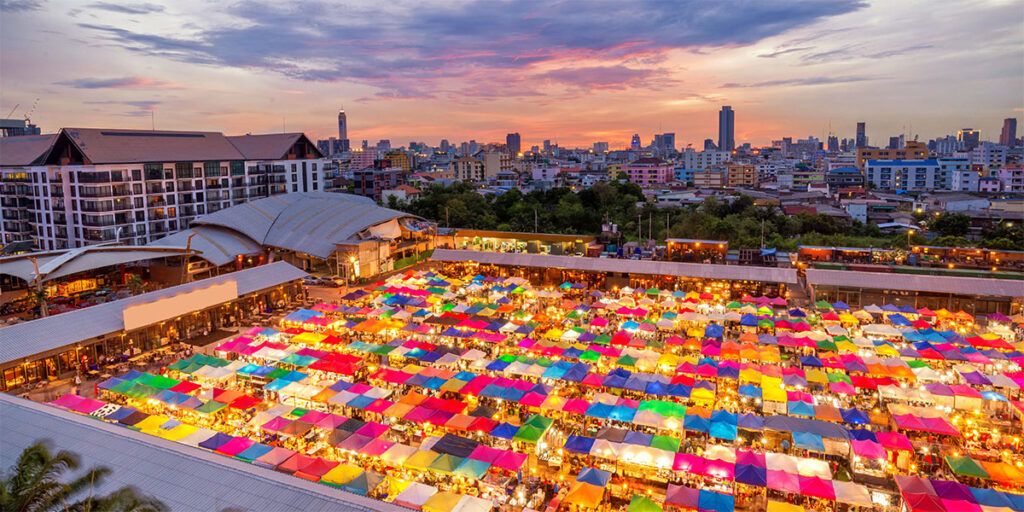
(136, 284)
(38, 296)
(34, 484)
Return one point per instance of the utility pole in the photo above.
(762, 233)
(536, 223)
(639, 230)
(446, 224)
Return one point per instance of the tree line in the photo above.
(739, 221)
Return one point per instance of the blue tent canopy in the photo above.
(797, 408)
(751, 475)
(505, 431)
(792, 424)
(638, 438)
(715, 501)
(750, 391)
(696, 423)
(599, 410)
(594, 476)
(862, 434)
(714, 331)
(579, 444)
(808, 441)
(577, 372)
(750, 421)
(723, 425)
(748, 320)
(622, 413)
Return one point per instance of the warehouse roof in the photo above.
(113, 146)
(667, 268)
(24, 150)
(181, 476)
(56, 264)
(58, 332)
(916, 282)
(215, 244)
(270, 146)
(306, 222)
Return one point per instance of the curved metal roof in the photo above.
(215, 244)
(305, 222)
(55, 264)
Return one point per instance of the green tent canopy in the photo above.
(665, 443)
(821, 304)
(445, 464)
(210, 407)
(966, 466)
(643, 504)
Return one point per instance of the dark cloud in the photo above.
(777, 53)
(406, 50)
(145, 8)
(817, 80)
(114, 83)
(20, 5)
(603, 77)
(140, 108)
(899, 51)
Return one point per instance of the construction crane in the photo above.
(16, 105)
(31, 110)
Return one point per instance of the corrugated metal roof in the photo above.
(915, 282)
(215, 244)
(103, 146)
(55, 264)
(24, 150)
(181, 476)
(305, 222)
(667, 268)
(27, 339)
(271, 146)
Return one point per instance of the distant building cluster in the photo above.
(84, 186)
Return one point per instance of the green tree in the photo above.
(136, 284)
(34, 484)
(951, 224)
(38, 297)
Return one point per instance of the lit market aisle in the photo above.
(426, 387)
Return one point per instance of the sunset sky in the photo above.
(574, 72)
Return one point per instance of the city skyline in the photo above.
(442, 72)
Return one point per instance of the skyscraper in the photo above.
(513, 143)
(668, 142)
(343, 130)
(1008, 137)
(968, 138)
(726, 129)
(862, 137)
(635, 143)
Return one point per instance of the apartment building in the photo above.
(911, 175)
(913, 150)
(743, 176)
(82, 186)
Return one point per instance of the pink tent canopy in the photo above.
(486, 454)
(868, 449)
(818, 487)
(842, 387)
(894, 441)
(688, 463)
(783, 481)
(720, 469)
(235, 446)
(510, 460)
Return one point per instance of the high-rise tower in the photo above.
(726, 129)
(343, 130)
(1008, 137)
(862, 137)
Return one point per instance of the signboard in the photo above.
(141, 315)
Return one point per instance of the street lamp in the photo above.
(909, 233)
